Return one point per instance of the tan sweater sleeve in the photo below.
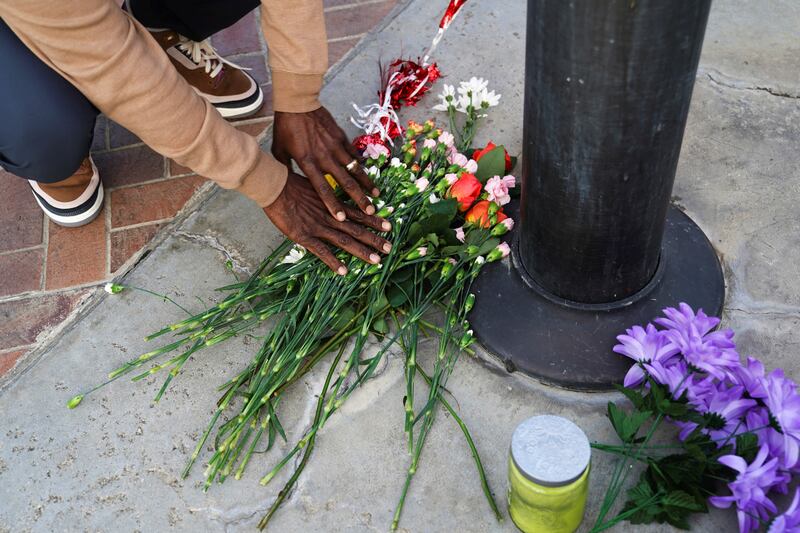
(298, 52)
(117, 65)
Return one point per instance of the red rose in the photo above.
(479, 214)
(466, 190)
(477, 154)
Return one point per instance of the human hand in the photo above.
(300, 214)
(319, 146)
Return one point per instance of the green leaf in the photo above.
(684, 500)
(380, 326)
(344, 316)
(448, 207)
(437, 223)
(396, 295)
(488, 246)
(747, 446)
(625, 425)
(633, 395)
(492, 163)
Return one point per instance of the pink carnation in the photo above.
(504, 248)
(497, 189)
(451, 178)
(471, 166)
(457, 159)
(375, 150)
(447, 138)
(508, 223)
(429, 143)
(460, 233)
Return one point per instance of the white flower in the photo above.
(295, 254)
(395, 162)
(473, 85)
(380, 203)
(399, 220)
(401, 206)
(480, 260)
(373, 171)
(422, 251)
(447, 97)
(421, 184)
(471, 166)
(433, 198)
(489, 99)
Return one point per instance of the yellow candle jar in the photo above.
(548, 475)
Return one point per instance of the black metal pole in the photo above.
(607, 92)
(599, 248)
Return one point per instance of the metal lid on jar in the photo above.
(550, 450)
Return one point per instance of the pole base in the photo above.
(568, 344)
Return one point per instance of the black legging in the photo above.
(46, 124)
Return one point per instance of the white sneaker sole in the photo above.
(75, 221)
(240, 112)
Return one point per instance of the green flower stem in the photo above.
(475, 456)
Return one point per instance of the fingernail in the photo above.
(370, 209)
(376, 192)
(340, 216)
(387, 247)
(386, 226)
(341, 271)
(374, 258)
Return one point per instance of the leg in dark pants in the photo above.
(195, 19)
(46, 124)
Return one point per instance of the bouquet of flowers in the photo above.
(739, 428)
(448, 220)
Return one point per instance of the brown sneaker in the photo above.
(72, 202)
(226, 85)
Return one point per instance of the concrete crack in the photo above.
(718, 78)
(237, 261)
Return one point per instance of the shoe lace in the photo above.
(203, 53)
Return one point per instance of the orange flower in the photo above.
(466, 190)
(479, 214)
(477, 154)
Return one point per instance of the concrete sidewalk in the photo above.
(114, 463)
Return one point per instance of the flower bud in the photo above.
(429, 125)
(469, 303)
(472, 249)
(75, 401)
(499, 230)
(446, 268)
(113, 288)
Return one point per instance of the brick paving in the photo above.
(47, 271)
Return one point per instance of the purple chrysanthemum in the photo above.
(643, 345)
(673, 373)
(783, 403)
(749, 489)
(684, 317)
(710, 351)
(713, 352)
(751, 377)
(789, 521)
(724, 401)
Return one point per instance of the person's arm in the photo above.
(113, 61)
(120, 68)
(304, 131)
